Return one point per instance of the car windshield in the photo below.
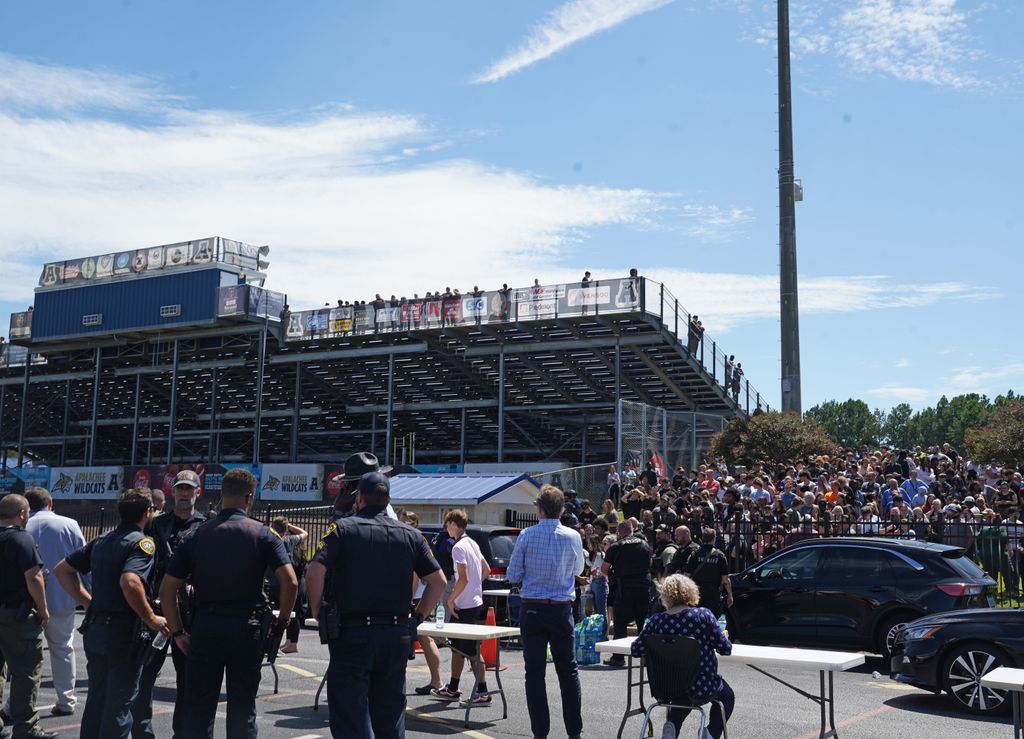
(502, 545)
(797, 565)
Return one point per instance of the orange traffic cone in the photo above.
(489, 648)
(419, 647)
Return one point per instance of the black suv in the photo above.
(852, 592)
(496, 544)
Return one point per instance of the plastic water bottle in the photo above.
(159, 641)
(439, 617)
(722, 623)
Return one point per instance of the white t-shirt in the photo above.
(467, 552)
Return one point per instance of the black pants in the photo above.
(716, 722)
(541, 625)
(632, 605)
(222, 644)
(366, 682)
(142, 708)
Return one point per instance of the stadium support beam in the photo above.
(501, 404)
(135, 417)
(391, 409)
(373, 351)
(3, 451)
(293, 451)
(260, 371)
(173, 420)
(462, 439)
(663, 376)
(65, 422)
(583, 442)
(618, 403)
(213, 444)
(98, 369)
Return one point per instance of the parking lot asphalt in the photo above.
(866, 706)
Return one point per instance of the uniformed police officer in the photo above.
(168, 531)
(23, 614)
(371, 559)
(629, 561)
(709, 568)
(118, 613)
(356, 466)
(226, 558)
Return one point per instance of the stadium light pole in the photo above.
(789, 310)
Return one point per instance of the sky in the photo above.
(400, 147)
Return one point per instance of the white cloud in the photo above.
(984, 379)
(910, 40)
(722, 300)
(29, 85)
(900, 394)
(563, 27)
(902, 363)
(713, 223)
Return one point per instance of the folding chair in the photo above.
(672, 663)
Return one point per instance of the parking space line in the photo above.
(298, 670)
(438, 720)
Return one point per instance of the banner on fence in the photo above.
(85, 483)
(291, 482)
(18, 480)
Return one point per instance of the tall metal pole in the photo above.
(789, 313)
(135, 415)
(95, 407)
(296, 414)
(389, 427)
(3, 451)
(258, 419)
(174, 405)
(24, 410)
(501, 404)
(618, 406)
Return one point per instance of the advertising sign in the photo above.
(579, 296)
(85, 483)
(231, 301)
(161, 476)
(18, 480)
(291, 482)
(21, 325)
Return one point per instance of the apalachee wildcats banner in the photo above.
(291, 482)
(85, 483)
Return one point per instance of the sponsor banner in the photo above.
(362, 318)
(627, 293)
(21, 325)
(294, 328)
(161, 477)
(264, 303)
(231, 301)
(580, 296)
(85, 483)
(291, 482)
(431, 313)
(473, 307)
(340, 320)
(317, 321)
(389, 316)
(123, 262)
(18, 480)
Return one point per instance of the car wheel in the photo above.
(886, 634)
(961, 677)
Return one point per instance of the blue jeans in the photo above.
(716, 723)
(113, 681)
(222, 644)
(600, 590)
(366, 682)
(540, 625)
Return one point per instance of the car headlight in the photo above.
(920, 632)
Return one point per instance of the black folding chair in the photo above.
(672, 663)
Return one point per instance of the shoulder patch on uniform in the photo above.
(330, 530)
(147, 545)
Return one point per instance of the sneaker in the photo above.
(443, 694)
(668, 731)
(425, 689)
(38, 733)
(61, 711)
(289, 648)
(484, 699)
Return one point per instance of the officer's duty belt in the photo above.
(225, 608)
(546, 601)
(109, 617)
(374, 620)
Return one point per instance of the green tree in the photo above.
(850, 423)
(771, 438)
(896, 429)
(1002, 436)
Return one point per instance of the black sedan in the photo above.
(951, 652)
(852, 593)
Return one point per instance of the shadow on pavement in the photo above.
(938, 705)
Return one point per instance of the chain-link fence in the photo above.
(590, 482)
(667, 439)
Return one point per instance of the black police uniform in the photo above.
(681, 557)
(21, 636)
(112, 629)
(226, 558)
(370, 559)
(168, 531)
(630, 560)
(707, 566)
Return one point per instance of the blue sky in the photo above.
(401, 147)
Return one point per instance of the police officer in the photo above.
(371, 559)
(709, 568)
(226, 558)
(356, 466)
(168, 531)
(629, 561)
(23, 614)
(119, 617)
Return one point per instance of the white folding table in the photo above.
(1011, 680)
(470, 632)
(755, 657)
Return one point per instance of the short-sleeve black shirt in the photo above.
(18, 555)
(707, 566)
(630, 559)
(227, 557)
(371, 559)
(125, 549)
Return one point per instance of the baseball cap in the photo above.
(969, 499)
(369, 482)
(187, 477)
(662, 528)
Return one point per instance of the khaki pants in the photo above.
(22, 648)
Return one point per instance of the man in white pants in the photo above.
(56, 537)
